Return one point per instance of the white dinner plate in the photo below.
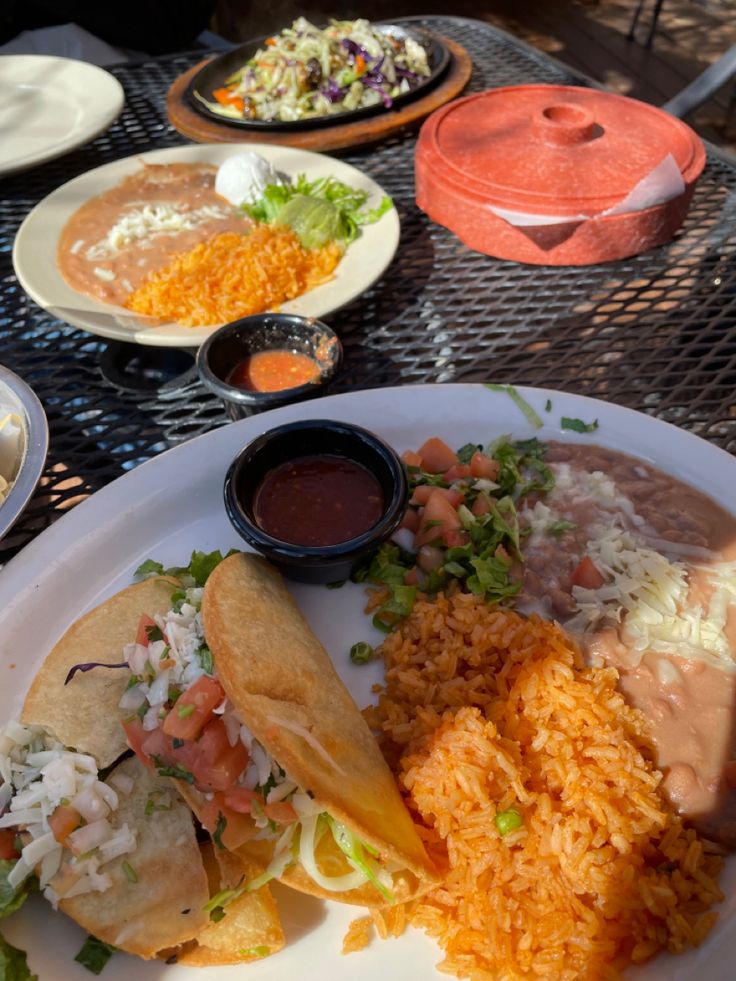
(173, 504)
(50, 105)
(34, 251)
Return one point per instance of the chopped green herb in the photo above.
(465, 453)
(217, 914)
(154, 633)
(398, 606)
(205, 656)
(95, 954)
(219, 828)
(184, 711)
(531, 415)
(353, 849)
(221, 899)
(177, 772)
(508, 821)
(577, 425)
(130, 873)
(558, 528)
(361, 653)
(177, 743)
(152, 806)
(148, 568)
(548, 405)
(336, 585)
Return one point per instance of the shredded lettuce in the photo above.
(531, 415)
(201, 564)
(319, 211)
(12, 899)
(95, 954)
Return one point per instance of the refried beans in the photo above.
(663, 611)
(110, 246)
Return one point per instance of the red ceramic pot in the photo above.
(529, 173)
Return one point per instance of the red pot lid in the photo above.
(554, 149)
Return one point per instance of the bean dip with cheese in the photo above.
(643, 568)
(112, 243)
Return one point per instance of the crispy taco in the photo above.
(235, 699)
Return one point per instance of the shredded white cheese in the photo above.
(152, 219)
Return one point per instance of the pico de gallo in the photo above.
(178, 720)
(462, 527)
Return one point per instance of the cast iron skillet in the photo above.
(212, 76)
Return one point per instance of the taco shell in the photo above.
(163, 908)
(84, 714)
(284, 687)
(251, 928)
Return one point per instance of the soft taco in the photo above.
(232, 696)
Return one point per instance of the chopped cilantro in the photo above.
(130, 873)
(336, 585)
(154, 633)
(548, 405)
(176, 771)
(531, 415)
(558, 528)
(152, 805)
(205, 656)
(219, 828)
(95, 954)
(465, 453)
(148, 568)
(577, 425)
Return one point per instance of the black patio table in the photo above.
(656, 333)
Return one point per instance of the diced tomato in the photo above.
(193, 710)
(481, 505)
(436, 455)
(281, 812)
(241, 799)
(411, 459)
(438, 518)
(136, 735)
(412, 577)
(458, 471)
(7, 844)
(587, 575)
(238, 829)
(423, 492)
(484, 466)
(144, 624)
(455, 537)
(217, 765)
(410, 520)
(63, 821)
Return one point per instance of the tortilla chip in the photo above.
(282, 683)
(251, 928)
(164, 907)
(84, 714)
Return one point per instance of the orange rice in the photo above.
(484, 711)
(232, 276)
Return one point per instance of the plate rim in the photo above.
(27, 268)
(35, 450)
(29, 577)
(305, 125)
(98, 77)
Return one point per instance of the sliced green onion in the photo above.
(184, 711)
(130, 873)
(361, 653)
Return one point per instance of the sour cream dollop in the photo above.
(242, 179)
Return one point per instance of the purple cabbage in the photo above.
(332, 91)
(89, 665)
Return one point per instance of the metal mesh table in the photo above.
(656, 333)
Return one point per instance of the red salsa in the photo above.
(273, 371)
(317, 501)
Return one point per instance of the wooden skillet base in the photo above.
(360, 132)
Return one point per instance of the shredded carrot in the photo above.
(232, 276)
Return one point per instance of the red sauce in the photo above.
(273, 371)
(317, 501)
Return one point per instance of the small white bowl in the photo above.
(17, 397)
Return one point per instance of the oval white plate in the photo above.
(34, 251)
(50, 105)
(173, 504)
